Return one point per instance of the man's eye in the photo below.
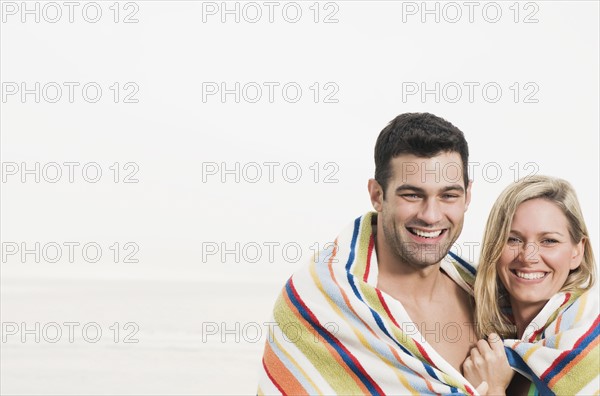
(410, 196)
(450, 196)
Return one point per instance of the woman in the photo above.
(533, 288)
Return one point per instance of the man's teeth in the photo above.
(425, 234)
(530, 275)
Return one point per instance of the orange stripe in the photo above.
(283, 378)
(557, 327)
(427, 382)
(298, 366)
(573, 362)
(331, 350)
(347, 301)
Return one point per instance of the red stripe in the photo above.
(542, 329)
(387, 310)
(592, 327)
(335, 340)
(425, 355)
(313, 318)
(574, 362)
(558, 360)
(272, 379)
(385, 307)
(470, 390)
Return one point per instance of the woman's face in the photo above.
(538, 254)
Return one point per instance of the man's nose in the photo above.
(430, 212)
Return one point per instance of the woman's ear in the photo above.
(577, 254)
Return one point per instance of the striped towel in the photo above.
(560, 351)
(336, 333)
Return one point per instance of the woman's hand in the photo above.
(488, 363)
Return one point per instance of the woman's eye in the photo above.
(549, 241)
(513, 240)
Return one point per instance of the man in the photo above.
(387, 309)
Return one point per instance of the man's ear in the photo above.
(376, 194)
(468, 195)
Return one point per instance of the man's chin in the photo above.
(422, 260)
(424, 263)
(428, 254)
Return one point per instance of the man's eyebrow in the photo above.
(454, 187)
(410, 187)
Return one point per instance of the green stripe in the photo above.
(313, 347)
(580, 375)
(362, 247)
(532, 390)
(464, 273)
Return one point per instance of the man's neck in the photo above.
(432, 301)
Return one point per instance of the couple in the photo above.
(388, 309)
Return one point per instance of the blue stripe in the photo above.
(376, 316)
(462, 262)
(571, 355)
(331, 291)
(429, 369)
(516, 361)
(568, 316)
(292, 367)
(355, 290)
(353, 245)
(326, 335)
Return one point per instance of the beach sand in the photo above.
(196, 333)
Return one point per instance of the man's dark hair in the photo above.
(420, 134)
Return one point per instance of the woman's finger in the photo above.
(496, 343)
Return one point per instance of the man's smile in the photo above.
(427, 234)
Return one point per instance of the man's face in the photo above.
(423, 210)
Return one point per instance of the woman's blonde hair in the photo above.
(490, 294)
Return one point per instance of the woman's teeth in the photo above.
(530, 275)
